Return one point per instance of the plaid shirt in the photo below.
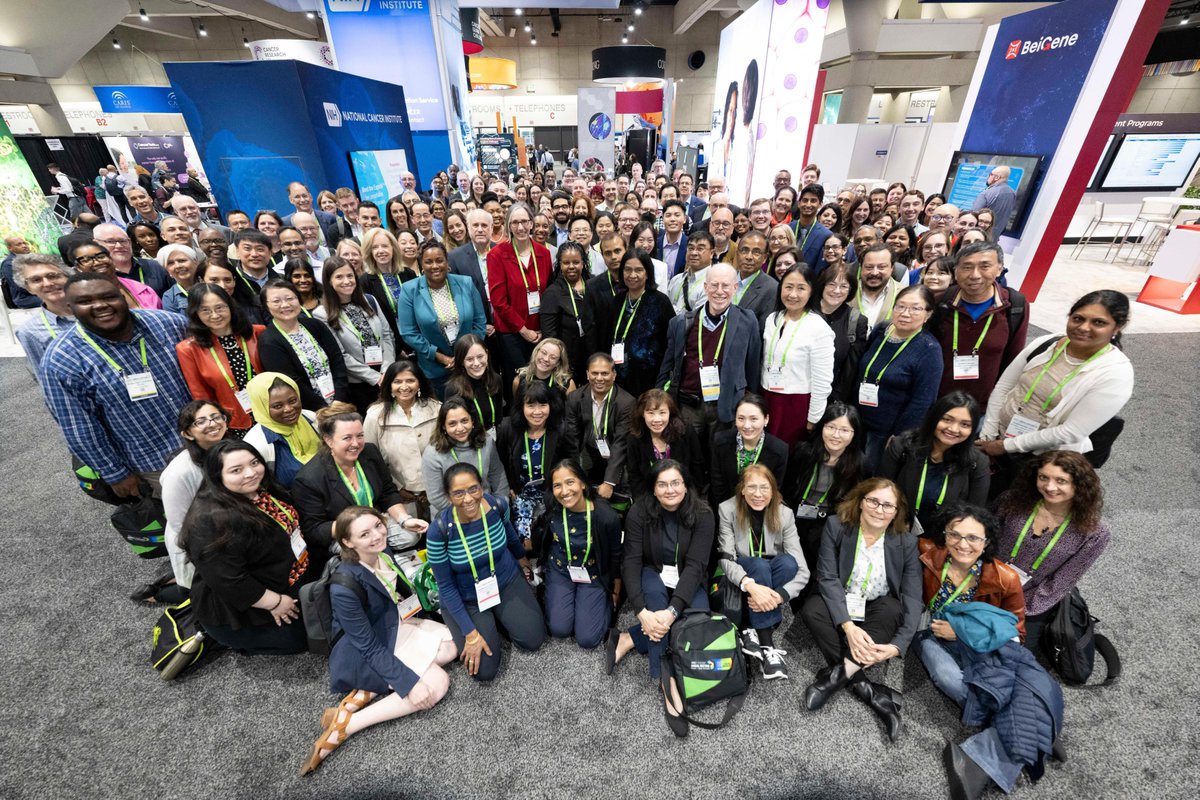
(106, 430)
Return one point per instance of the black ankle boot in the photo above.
(967, 780)
(883, 700)
(828, 682)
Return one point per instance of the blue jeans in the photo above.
(986, 750)
(774, 572)
(873, 453)
(657, 597)
(582, 610)
(943, 665)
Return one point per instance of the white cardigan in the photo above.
(403, 441)
(352, 347)
(1090, 399)
(809, 365)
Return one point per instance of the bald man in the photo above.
(999, 197)
(943, 218)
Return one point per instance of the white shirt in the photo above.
(695, 293)
(879, 309)
(869, 559)
(804, 358)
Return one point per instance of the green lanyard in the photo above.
(387, 292)
(391, 589)
(49, 328)
(957, 591)
(224, 374)
(787, 348)
(571, 295)
(442, 322)
(633, 309)
(116, 367)
(1058, 351)
(567, 534)
(921, 487)
(804, 241)
(612, 287)
(363, 496)
(1053, 541)
(745, 457)
(487, 535)
(291, 517)
(878, 350)
(987, 326)
(251, 285)
(870, 565)
(762, 541)
(700, 340)
(308, 364)
(737, 300)
(479, 411)
(478, 458)
(808, 488)
(597, 431)
(529, 458)
(523, 267)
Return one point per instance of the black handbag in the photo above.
(142, 524)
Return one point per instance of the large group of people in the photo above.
(568, 395)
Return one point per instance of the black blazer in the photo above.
(639, 458)
(901, 559)
(848, 347)
(581, 431)
(645, 343)
(902, 463)
(643, 548)
(277, 355)
(321, 494)
(463, 261)
(724, 474)
(510, 444)
(604, 305)
(606, 539)
(558, 322)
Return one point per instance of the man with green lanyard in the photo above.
(254, 254)
(598, 415)
(757, 291)
(810, 234)
(876, 288)
(44, 277)
(113, 384)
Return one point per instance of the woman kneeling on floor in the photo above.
(388, 646)
(760, 553)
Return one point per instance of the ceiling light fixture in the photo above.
(629, 27)
(533, 40)
(116, 44)
(142, 13)
(310, 14)
(245, 42)
(624, 39)
(637, 11)
(528, 27)
(203, 30)
(518, 11)
(1184, 21)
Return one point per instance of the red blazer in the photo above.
(509, 303)
(205, 379)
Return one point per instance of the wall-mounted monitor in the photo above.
(1152, 162)
(968, 177)
(378, 174)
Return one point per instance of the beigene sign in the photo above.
(1046, 43)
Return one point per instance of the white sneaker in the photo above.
(750, 645)
(773, 666)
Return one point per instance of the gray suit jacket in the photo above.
(760, 297)
(464, 261)
(741, 358)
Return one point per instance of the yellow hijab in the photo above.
(301, 438)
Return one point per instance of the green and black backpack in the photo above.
(705, 658)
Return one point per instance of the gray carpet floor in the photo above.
(83, 715)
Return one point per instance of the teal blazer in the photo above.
(419, 326)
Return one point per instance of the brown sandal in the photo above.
(355, 701)
(323, 744)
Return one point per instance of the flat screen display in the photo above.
(379, 173)
(1153, 161)
(968, 178)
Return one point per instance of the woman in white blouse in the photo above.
(797, 352)
(401, 424)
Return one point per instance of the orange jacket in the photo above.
(205, 380)
(999, 584)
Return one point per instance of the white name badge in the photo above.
(602, 446)
(409, 607)
(806, 511)
(1022, 574)
(140, 386)
(710, 383)
(373, 355)
(868, 395)
(325, 386)
(618, 352)
(774, 380)
(966, 368)
(296, 539)
(856, 606)
(579, 574)
(491, 434)
(243, 398)
(534, 301)
(670, 575)
(1019, 426)
(487, 593)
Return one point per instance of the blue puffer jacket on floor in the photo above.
(1010, 689)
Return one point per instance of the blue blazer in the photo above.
(419, 322)
(813, 246)
(364, 657)
(680, 260)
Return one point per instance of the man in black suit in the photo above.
(671, 247)
(598, 415)
(604, 293)
(471, 258)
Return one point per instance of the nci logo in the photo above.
(1019, 47)
(333, 116)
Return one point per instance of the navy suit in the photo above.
(811, 247)
(463, 261)
(680, 263)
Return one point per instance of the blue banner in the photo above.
(137, 99)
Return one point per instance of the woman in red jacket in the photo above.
(221, 355)
(519, 271)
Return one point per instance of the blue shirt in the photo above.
(977, 310)
(175, 300)
(39, 332)
(106, 430)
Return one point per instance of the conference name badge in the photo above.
(618, 352)
(409, 607)
(1019, 426)
(602, 446)
(856, 606)
(534, 301)
(487, 593)
(775, 379)
(296, 540)
(373, 355)
(710, 383)
(670, 575)
(243, 398)
(140, 386)
(966, 368)
(579, 574)
(868, 394)
(325, 386)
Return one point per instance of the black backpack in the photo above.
(1103, 437)
(77, 187)
(1070, 642)
(112, 185)
(704, 657)
(317, 610)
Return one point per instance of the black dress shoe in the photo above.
(967, 780)
(610, 651)
(675, 721)
(1058, 752)
(883, 700)
(829, 681)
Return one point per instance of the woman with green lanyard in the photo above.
(348, 471)
(302, 348)
(798, 356)
(899, 374)
(434, 310)
(578, 540)
(869, 605)
(383, 271)
(518, 272)
(936, 465)
(482, 574)
(180, 261)
(473, 379)
(640, 334)
(961, 565)
(458, 439)
(1059, 391)
(528, 440)
(1051, 531)
(566, 315)
(746, 443)
(390, 651)
(362, 331)
(548, 366)
(221, 356)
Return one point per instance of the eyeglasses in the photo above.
(944, 217)
(215, 311)
(669, 485)
(113, 242)
(840, 431)
(520, 222)
(204, 422)
(953, 537)
(92, 259)
(758, 488)
(281, 301)
(908, 310)
(831, 247)
(882, 505)
(475, 491)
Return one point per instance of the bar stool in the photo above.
(1123, 225)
